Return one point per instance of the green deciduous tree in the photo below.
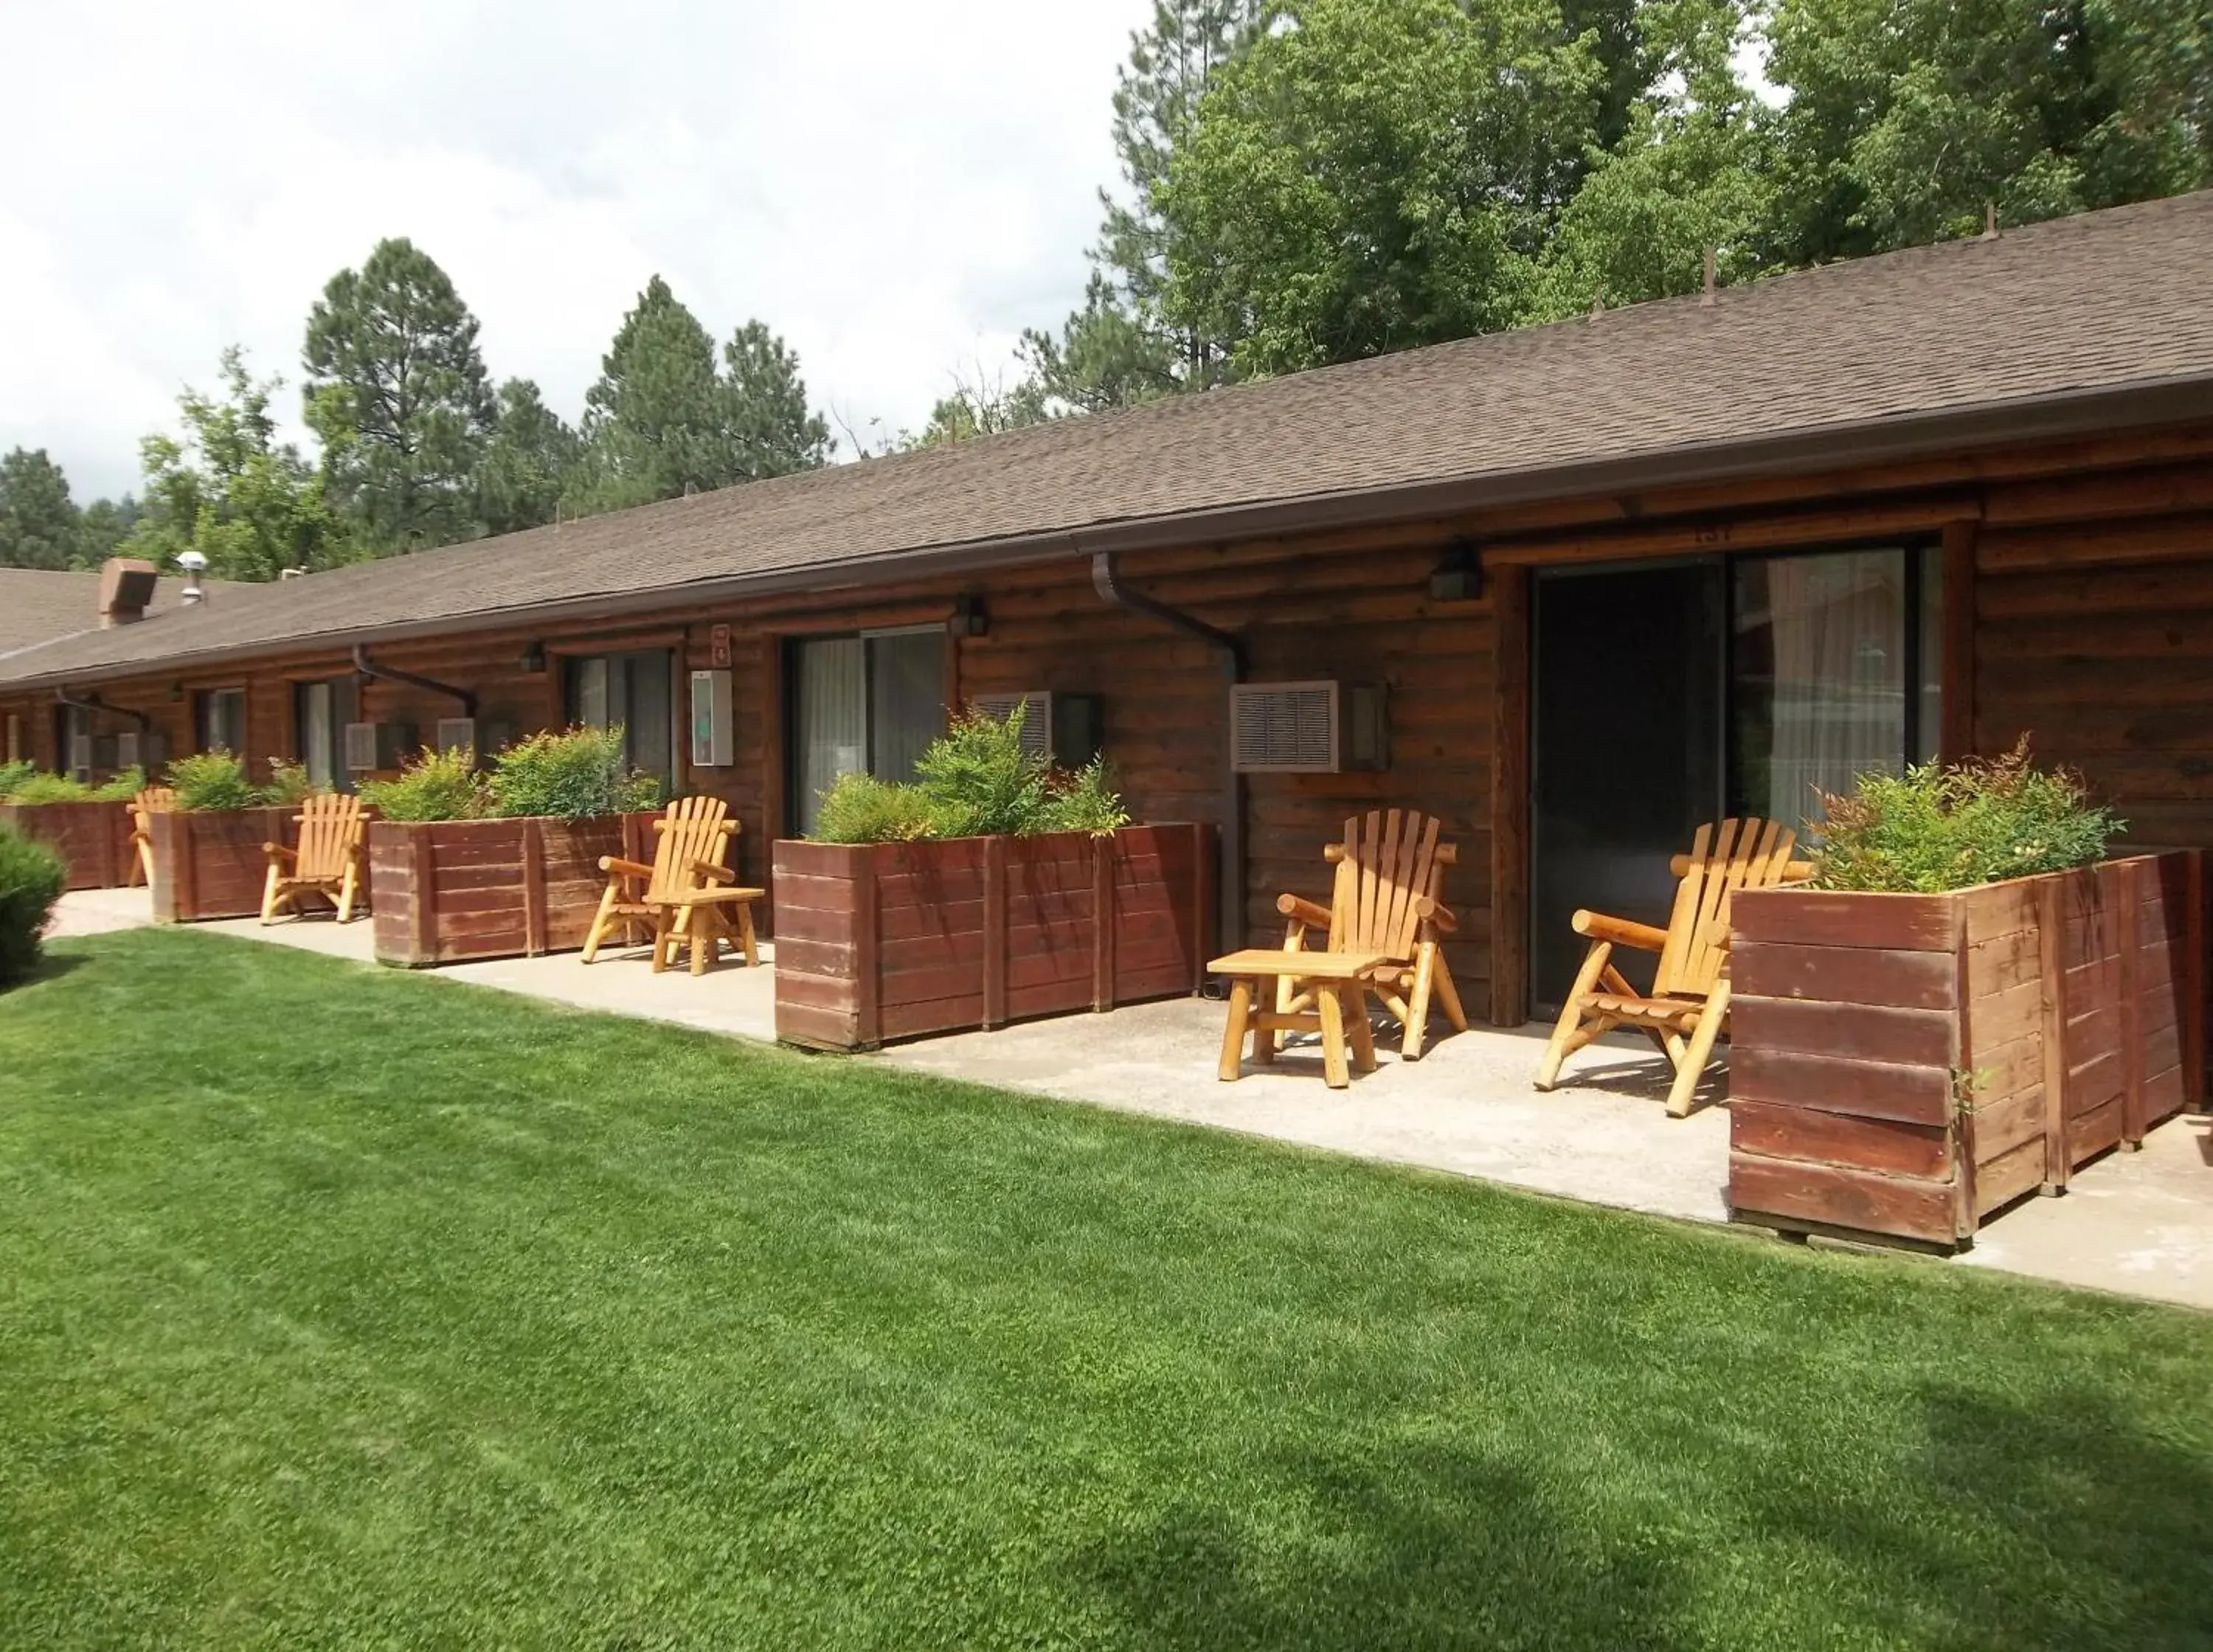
(227, 488)
(526, 463)
(397, 391)
(980, 404)
(1906, 118)
(39, 524)
(104, 525)
(1384, 173)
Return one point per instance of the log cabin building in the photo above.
(1577, 588)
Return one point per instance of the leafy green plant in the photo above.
(288, 784)
(121, 786)
(1936, 828)
(211, 781)
(50, 788)
(575, 773)
(975, 780)
(859, 808)
(435, 786)
(1086, 802)
(12, 775)
(31, 880)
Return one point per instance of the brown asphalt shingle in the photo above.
(2105, 300)
(36, 605)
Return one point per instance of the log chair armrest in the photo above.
(617, 864)
(713, 873)
(1303, 911)
(1429, 907)
(1620, 930)
(277, 852)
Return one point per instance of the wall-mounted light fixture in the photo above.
(1458, 576)
(970, 618)
(533, 659)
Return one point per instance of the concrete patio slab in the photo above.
(2138, 1223)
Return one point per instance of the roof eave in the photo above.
(1885, 439)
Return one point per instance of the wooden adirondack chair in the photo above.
(1688, 1006)
(151, 800)
(1387, 900)
(686, 894)
(330, 861)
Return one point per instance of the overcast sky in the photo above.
(898, 186)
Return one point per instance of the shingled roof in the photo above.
(1908, 349)
(37, 605)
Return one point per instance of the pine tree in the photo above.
(397, 391)
(528, 461)
(40, 526)
(772, 432)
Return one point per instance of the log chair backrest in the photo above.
(1389, 859)
(691, 829)
(1747, 854)
(330, 834)
(151, 800)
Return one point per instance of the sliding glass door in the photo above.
(320, 711)
(870, 702)
(1667, 696)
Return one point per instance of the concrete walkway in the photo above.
(2138, 1224)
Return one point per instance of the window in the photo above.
(872, 702)
(634, 691)
(219, 721)
(73, 754)
(320, 711)
(1833, 673)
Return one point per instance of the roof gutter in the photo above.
(368, 668)
(1838, 447)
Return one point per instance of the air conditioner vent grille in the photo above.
(1037, 718)
(1284, 727)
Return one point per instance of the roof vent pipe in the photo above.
(368, 668)
(1106, 580)
(194, 566)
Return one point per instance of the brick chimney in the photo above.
(126, 586)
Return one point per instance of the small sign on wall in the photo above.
(713, 738)
(718, 647)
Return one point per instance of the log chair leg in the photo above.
(345, 897)
(1363, 1035)
(269, 889)
(745, 931)
(703, 942)
(1417, 1002)
(1330, 997)
(1448, 993)
(1700, 1051)
(663, 938)
(599, 929)
(1571, 1014)
(1233, 1030)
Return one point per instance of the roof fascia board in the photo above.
(2027, 419)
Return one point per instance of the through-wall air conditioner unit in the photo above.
(454, 732)
(146, 750)
(371, 745)
(127, 752)
(1067, 730)
(1316, 727)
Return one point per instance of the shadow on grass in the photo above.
(52, 966)
(2065, 1525)
(1432, 1547)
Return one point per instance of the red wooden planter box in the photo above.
(211, 863)
(93, 839)
(1905, 1065)
(445, 891)
(876, 941)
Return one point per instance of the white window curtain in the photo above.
(833, 719)
(1820, 663)
(319, 734)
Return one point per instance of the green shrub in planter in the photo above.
(1936, 828)
(435, 786)
(576, 774)
(12, 775)
(212, 781)
(974, 781)
(121, 787)
(288, 784)
(31, 880)
(49, 789)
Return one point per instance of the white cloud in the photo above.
(898, 188)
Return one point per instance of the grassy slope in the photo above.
(342, 1308)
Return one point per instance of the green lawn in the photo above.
(340, 1307)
